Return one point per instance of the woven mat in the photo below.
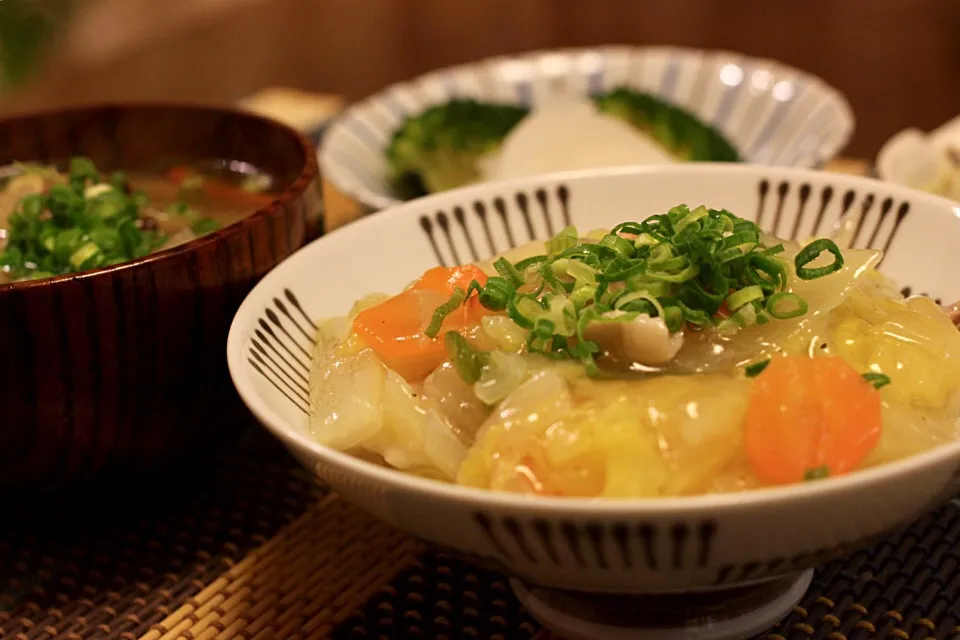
(254, 549)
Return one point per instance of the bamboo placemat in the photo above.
(255, 549)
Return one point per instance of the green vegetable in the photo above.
(467, 360)
(818, 473)
(179, 208)
(784, 305)
(82, 173)
(811, 252)
(755, 369)
(508, 272)
(682, 266)
(562, 241)
(80, 225)
(878, 380)
(439, 148)
(682, 133)
(202, 226)
(443, 311)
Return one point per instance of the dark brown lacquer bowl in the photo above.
(121, 369)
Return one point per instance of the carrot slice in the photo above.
(394, 329)
(446, 279)
(810, 415)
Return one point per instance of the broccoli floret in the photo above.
(682, 133)
(439, 149)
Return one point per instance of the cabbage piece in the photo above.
(908, 431)
(915, 344)
(616, 438)
(358, 405)
(346, 395)
(706, 351)
(454, 400)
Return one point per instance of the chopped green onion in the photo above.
(81, 171)
(690, 218)
(878, 380)
(621, 245)
(86, 256)
(179, 208)
(774, 272)
(559, 267)
(739, 298)
(443, 311)
(681, 266)
(580, 271)
(467, 360)
(32, 205)
(657, 288)
(82, 223)
(697, 317)
(785, 305)
(689, 273)
(774, 250)
(673, 318)
(745, 316)
(624, 302)
(508, 272)
(496, 294)
(811, 252)
(580, 297)
(564, 240)
(204, 225)
(524, 309)
(526, 263)
(817, 473)
(645, 240)
(753, 370)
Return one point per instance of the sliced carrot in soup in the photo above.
(810, 415)
(395, 328)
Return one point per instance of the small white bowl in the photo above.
(772, 113)
(622, 546)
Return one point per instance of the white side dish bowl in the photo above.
(715, 545)
(771, 113)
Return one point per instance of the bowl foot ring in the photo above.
(728, 614)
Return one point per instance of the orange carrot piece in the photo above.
(446, 279)
(809, 415)
(394, 329)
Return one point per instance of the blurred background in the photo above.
(898, 62)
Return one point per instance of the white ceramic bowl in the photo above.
(639, 545)
(773, 114)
